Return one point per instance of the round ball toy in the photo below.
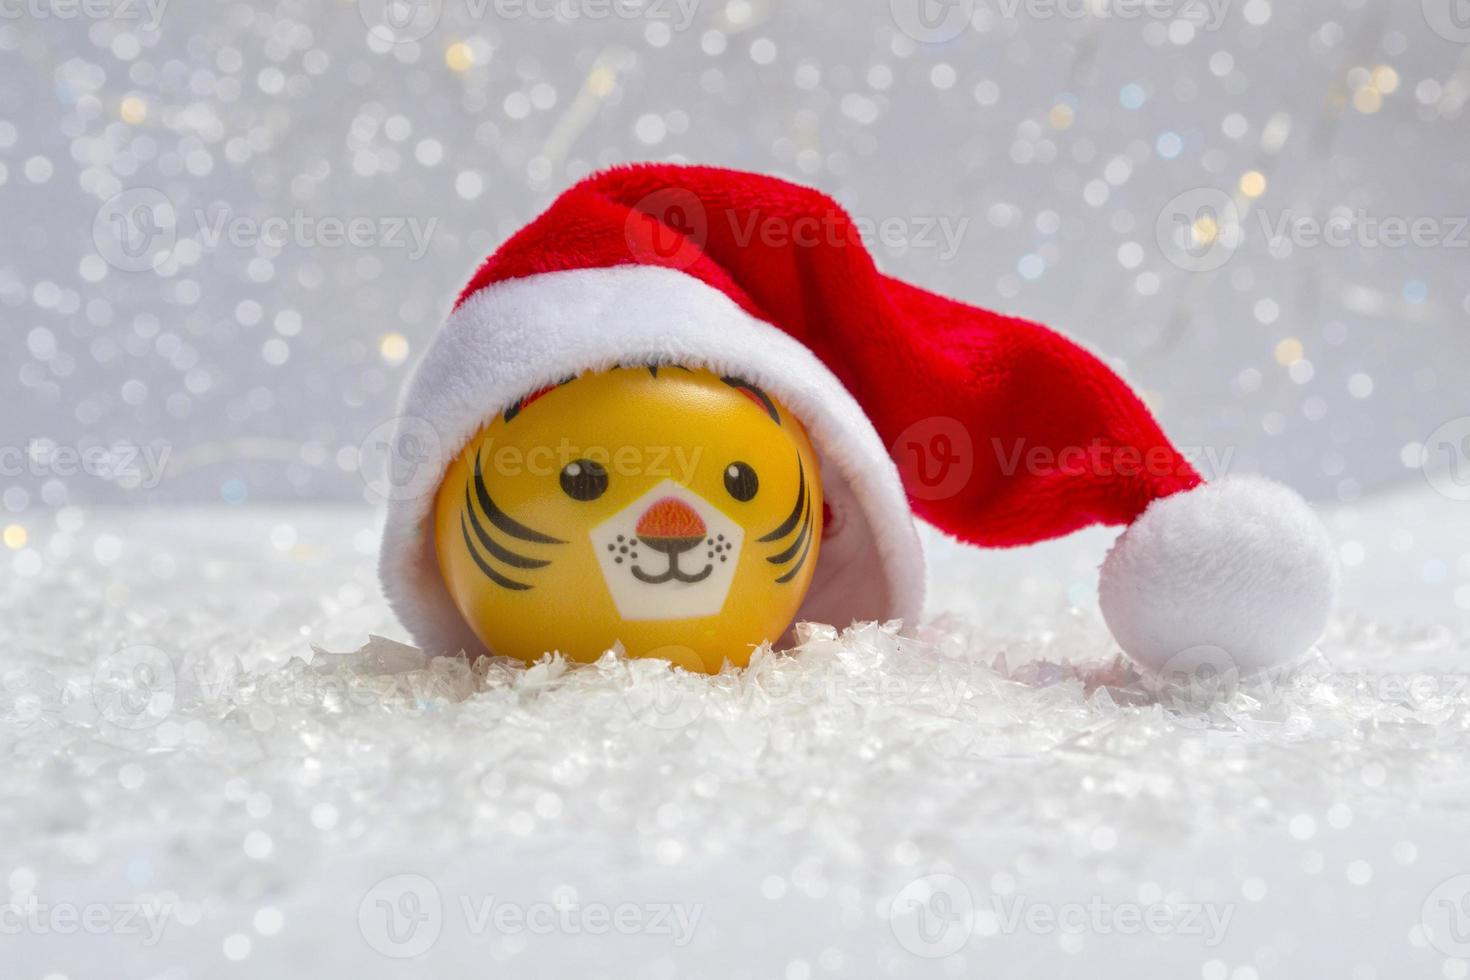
(671, 510)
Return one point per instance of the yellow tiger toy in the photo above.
(671, 510)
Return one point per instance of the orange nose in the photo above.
(670, 517)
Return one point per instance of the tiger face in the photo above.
(668, 509)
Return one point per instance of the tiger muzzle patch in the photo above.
(670, 554)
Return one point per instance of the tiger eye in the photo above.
(584, 479)
(740, 481)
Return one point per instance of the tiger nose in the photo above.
(671, 526)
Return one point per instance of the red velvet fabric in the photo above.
(1004, 432)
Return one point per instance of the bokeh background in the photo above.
(170, 173)
(227, 230)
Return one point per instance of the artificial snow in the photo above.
(217, 750)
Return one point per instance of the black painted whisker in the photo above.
(799, 562)
(795, 514)
(490, 573)
(496, 549)
(503, 521)
(796, 543)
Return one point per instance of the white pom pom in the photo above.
(1242, 568)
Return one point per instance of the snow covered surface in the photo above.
(190, 791)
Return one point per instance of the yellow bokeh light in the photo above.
(1204, 231)
(1288, 352)
(15, 536)
(1385, 79)
(600, 82)
(394, 348)
(459, 56)
(133, 110)
(1253, 183)
(1060, 116)
(1367, 100)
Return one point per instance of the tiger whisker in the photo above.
(503, 521)
(490, 573)
(496, 549)
(797, 542)
(791, 574)
(795, 515)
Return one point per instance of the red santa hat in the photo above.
(996, 430)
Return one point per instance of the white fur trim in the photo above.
(520, 335)
(1242, 569)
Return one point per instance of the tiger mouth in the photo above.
(673, 573)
